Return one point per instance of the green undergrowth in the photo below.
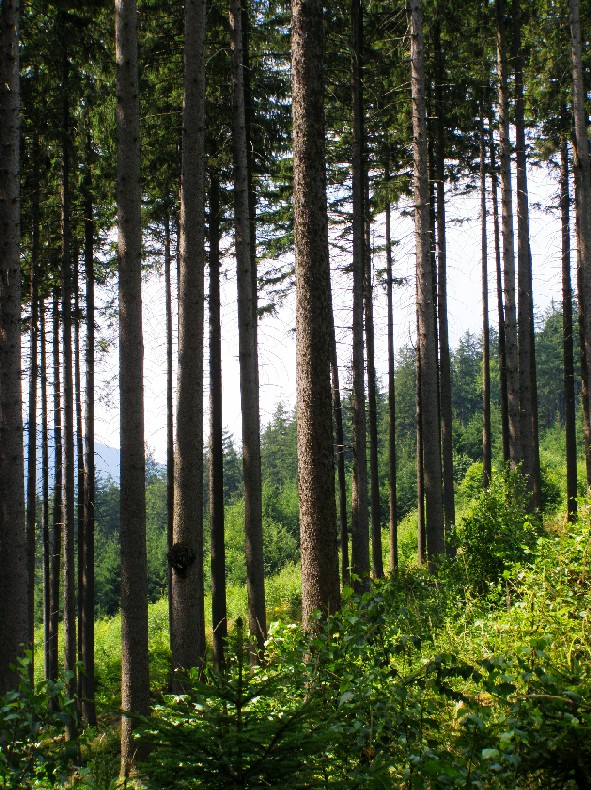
(417, 683)
(475, 676)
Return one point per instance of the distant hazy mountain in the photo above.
(106, 460)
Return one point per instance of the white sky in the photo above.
(276, 335)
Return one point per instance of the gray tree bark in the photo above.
(32, 416)
(527, 359)
(500, 306)
(442, 324)
(169, 409)
(567, 337)
(186, 557)
(248, 353)
(359, 485)
(582, 167)
(372, 409)
(70, 644)
(135, 682)
(87, 579)
(318, 525)
(216, 451)
(46, 557)
(391, 397)
(511, 349)
(14, 613)
(337, 409)
(427, 341)
(486, 426)
(58, 505)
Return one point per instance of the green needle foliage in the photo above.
(244, 727)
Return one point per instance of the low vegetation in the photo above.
(477, 676)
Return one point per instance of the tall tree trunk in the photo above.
(14, 613)
(372, 415)
(500, 307)
(511, 350)
(567, 338)
(582, 168)
(216, 451)
(581, 323)
(427, 341)
(527, 361)
(486, 427)
(421, 526)
(135, 681)
(87, 598)
(79, 466)
(391, 396)
(248, 121)
(169, 411)
(70, 645)
(444, 360)
(359, 504)
(583, 363)
(318, 524)
(33, 376)
(188, 614)
(340, 454)
(46, 559)
(58, 470)
(248, 353)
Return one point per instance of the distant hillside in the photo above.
(106, 459)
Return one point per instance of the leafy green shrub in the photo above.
(533, 678)
(551, 480)
(494, 531)
(33, 719)
(283, 593)
(471, 486)
(407, 538)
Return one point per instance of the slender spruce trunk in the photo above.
(14, 612)
(393, 526)
(46, 558)
(135, 679)
(427, 341)
(360, 565)
(340, 454)
(504, 401)
(56, 548)
(216, 452)
(70, 645)
(444, 358)
(33, 378)
(527, 360)
(169, 411)
(318, 523)
(421, 525)
(186, 558)
(582, 169)
(581, 327)
(87, 579)
(80, 517)
(567, 337)
(486, 425)
(248, 352)
(511, 348)
(372, 412)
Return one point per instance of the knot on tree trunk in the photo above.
(181, 557)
